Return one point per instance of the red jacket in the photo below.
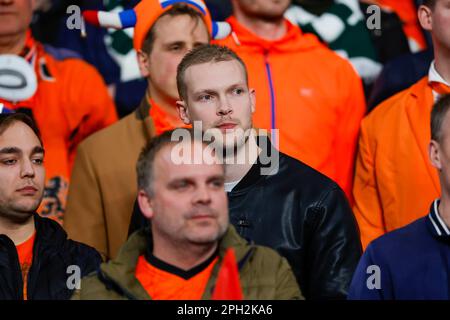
(314, 97)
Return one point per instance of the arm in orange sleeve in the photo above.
(96, 109)
(367, 207)
(84, 219)
(352, 110)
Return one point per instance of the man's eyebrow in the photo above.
(172, 43)
(37, 149)
(216, 177)
(178, 180)
(236, 85)
(15, 150)
(205, 91)
(220, 178)
(10, 150)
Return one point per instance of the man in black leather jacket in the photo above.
(295, 210)
(37, 261)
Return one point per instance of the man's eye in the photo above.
(9, 162)
(206, 97)
(238, 91)
(181, 186)
(175, 48)
(38, 161)
(217, 183)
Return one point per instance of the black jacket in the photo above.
(303, 215)
(53, 253)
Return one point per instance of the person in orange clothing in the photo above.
(35, 255)
(312, 96)
(394, 181)
(190, 251)
(407, 11)
(103, 190)
(69, 103)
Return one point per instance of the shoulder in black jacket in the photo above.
(303, 215)
(53, 253)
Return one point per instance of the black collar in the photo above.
(185, 274)
(254, 175)
(161, 265)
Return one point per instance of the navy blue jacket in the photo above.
(414, 263)
(53, 253)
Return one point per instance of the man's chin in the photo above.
(233, 139)
(204, 239)
(206, 236)
(8, 27)
(26, 207)
(17, 215)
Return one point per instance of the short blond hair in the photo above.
(204, 54)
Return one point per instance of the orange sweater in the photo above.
(394, 181)
(314, 97)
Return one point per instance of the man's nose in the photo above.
(27, 168)
(224, 108)
(202, 195)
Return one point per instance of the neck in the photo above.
(442, 63)
(18, 232)
(267, 29)
(184, 257)
(12, 44)
(166, 103)
(238, 164)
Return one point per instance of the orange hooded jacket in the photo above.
(314, 97)
(71, 102)
(394, 180)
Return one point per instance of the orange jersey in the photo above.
(25, 254)
(163, 284)
(71, 102)
(394, 180)
(313, 96)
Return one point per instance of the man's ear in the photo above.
(434, 153)
(145, 204)
(144, 63)
(425, 15)
(253, 99)
(183, 112)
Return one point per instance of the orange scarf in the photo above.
(162, 120)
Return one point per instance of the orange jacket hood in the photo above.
(293, 40)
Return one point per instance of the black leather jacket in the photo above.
(53, 253)
(303, 215)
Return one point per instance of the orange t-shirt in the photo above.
(25, 253)
(165, 282)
